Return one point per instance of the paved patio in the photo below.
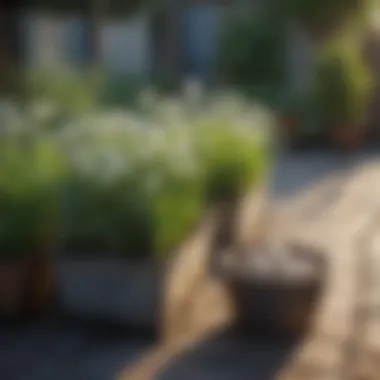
(332, 201)
(63, 351)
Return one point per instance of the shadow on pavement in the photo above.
(229, 356)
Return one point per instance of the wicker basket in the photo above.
(279, 302)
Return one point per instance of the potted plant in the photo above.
(299, 120)
(290, 115)
(275, 289)
(342, 84)
(28, 226)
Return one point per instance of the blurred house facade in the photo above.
(177, 41)
(64, 40)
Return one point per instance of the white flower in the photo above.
(41, 110)
(153, 182)
(192, 90)
(147, 99)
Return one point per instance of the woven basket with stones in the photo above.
(275, 288)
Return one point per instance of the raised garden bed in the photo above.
(28, 212)
(133, 194)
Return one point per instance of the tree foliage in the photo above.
(318, 15)
(342, 83)
(252, 52)
(112, 7)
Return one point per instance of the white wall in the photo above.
(44, 40)
(53, 41)
(126, 45)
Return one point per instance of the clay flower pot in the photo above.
(289, 126)
(347, 139)
(275, 294)
(26, 285)
(13, 286)
(41, 285)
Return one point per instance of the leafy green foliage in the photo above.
(320, 14)
(342, 83)
(69, 91)
(113, 7)
(29, 180)
(118, 183)
(138, 184)
(302, 108)
(119, 90)
(253, 52)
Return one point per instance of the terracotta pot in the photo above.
(26, 286)
(346, 138)
(289, 126)
(41, 285)
(13, 285)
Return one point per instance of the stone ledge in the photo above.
(114, 291)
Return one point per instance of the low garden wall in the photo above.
(172, 298)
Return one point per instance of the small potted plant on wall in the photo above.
(289, 120)
(299, 120)
(343, 89)
(28, 225)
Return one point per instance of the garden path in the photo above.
(332, 202)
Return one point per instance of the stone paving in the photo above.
(330, 201)
(339, 213)
(61, 351)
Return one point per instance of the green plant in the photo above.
(137, 184)
(231, 160)
(29, 182)
(252, 52)
(319, 15)
(69, 91)
(342, 83)
(120, 90)
(302, 110)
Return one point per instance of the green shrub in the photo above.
(120, 90)
(302, 108)
(29, 202)
(69, 91)
(252, 52)
(342, 83)
(318, 15)
(232, 161)
(122, 183)
(137, 185)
